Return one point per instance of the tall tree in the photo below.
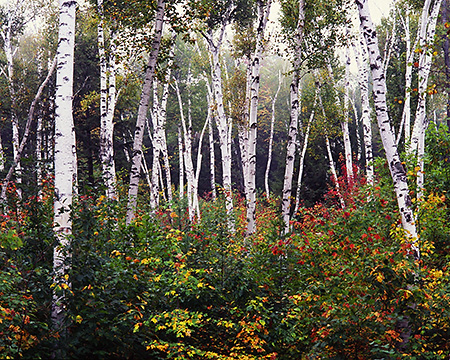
(293, 125)
(143, 111)
(396, 168)
(107, 103)
(64, 159)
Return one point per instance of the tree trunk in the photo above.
(426, 36)
(187, 154)
(269, 151)
(9, 52)
(446, 48)
(334, 177)
(396, 168)
(64, 161)
(223, 124)
(363, 81)
(263, 16)
(293, 126)
(303, 153)
(142, 114)
(107, 106)
(26, 133)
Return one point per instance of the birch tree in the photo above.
(294, 115)
(214, 39)
(427, 31)
(360, 51)
(64, 160)
(272, 123)
(143, 111)
(13, 20)
(107, 103)
(396, 168)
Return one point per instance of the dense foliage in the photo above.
(341, 285)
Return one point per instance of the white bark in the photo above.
(426, 37)
(26, 132)
(406, 114)
(396, 168)
(334, 177)
(159, 135)
(344, 123)
(181, 161)
(107, 106)
(6, 34)
(142, 114)
(199, 166)
(212, 156)
(263, 10)
(363, 81)
(272, 123)
(187, 154)
(64, 159)
(303, 152)
(292, 134)
(223, 124)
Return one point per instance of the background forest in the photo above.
(227, 179)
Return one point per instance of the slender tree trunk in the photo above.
(26, 132)
(272, 123)
(199, 166)
(303, 152)
(212, 156)
(188, 164)
(223, 124)
(294, 117)
(406, 114)
(427, 32)
(263, 15)
(344, 122)
(9, 52)
(363, 81)
(107, 106)
(446, 48)
(396, 168)
(64, 162)
(142, 114)
(181, 157)
(334, 177)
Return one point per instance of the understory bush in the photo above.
(343, 284)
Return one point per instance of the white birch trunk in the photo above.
(303, 153)
(181, 161)
(199, 166)
(344, 122)
(64, 160)
(269, 151)
(9, 52)
(427, 32)
(363, 81)
(187, 153)
(142, 113)
(334, 177)
(223, 124)
(263, 15)
(212, 156)
(107, 106)
(26, 132)
(396, 168)
(406, 114)
(159, 126)
(294, 115)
